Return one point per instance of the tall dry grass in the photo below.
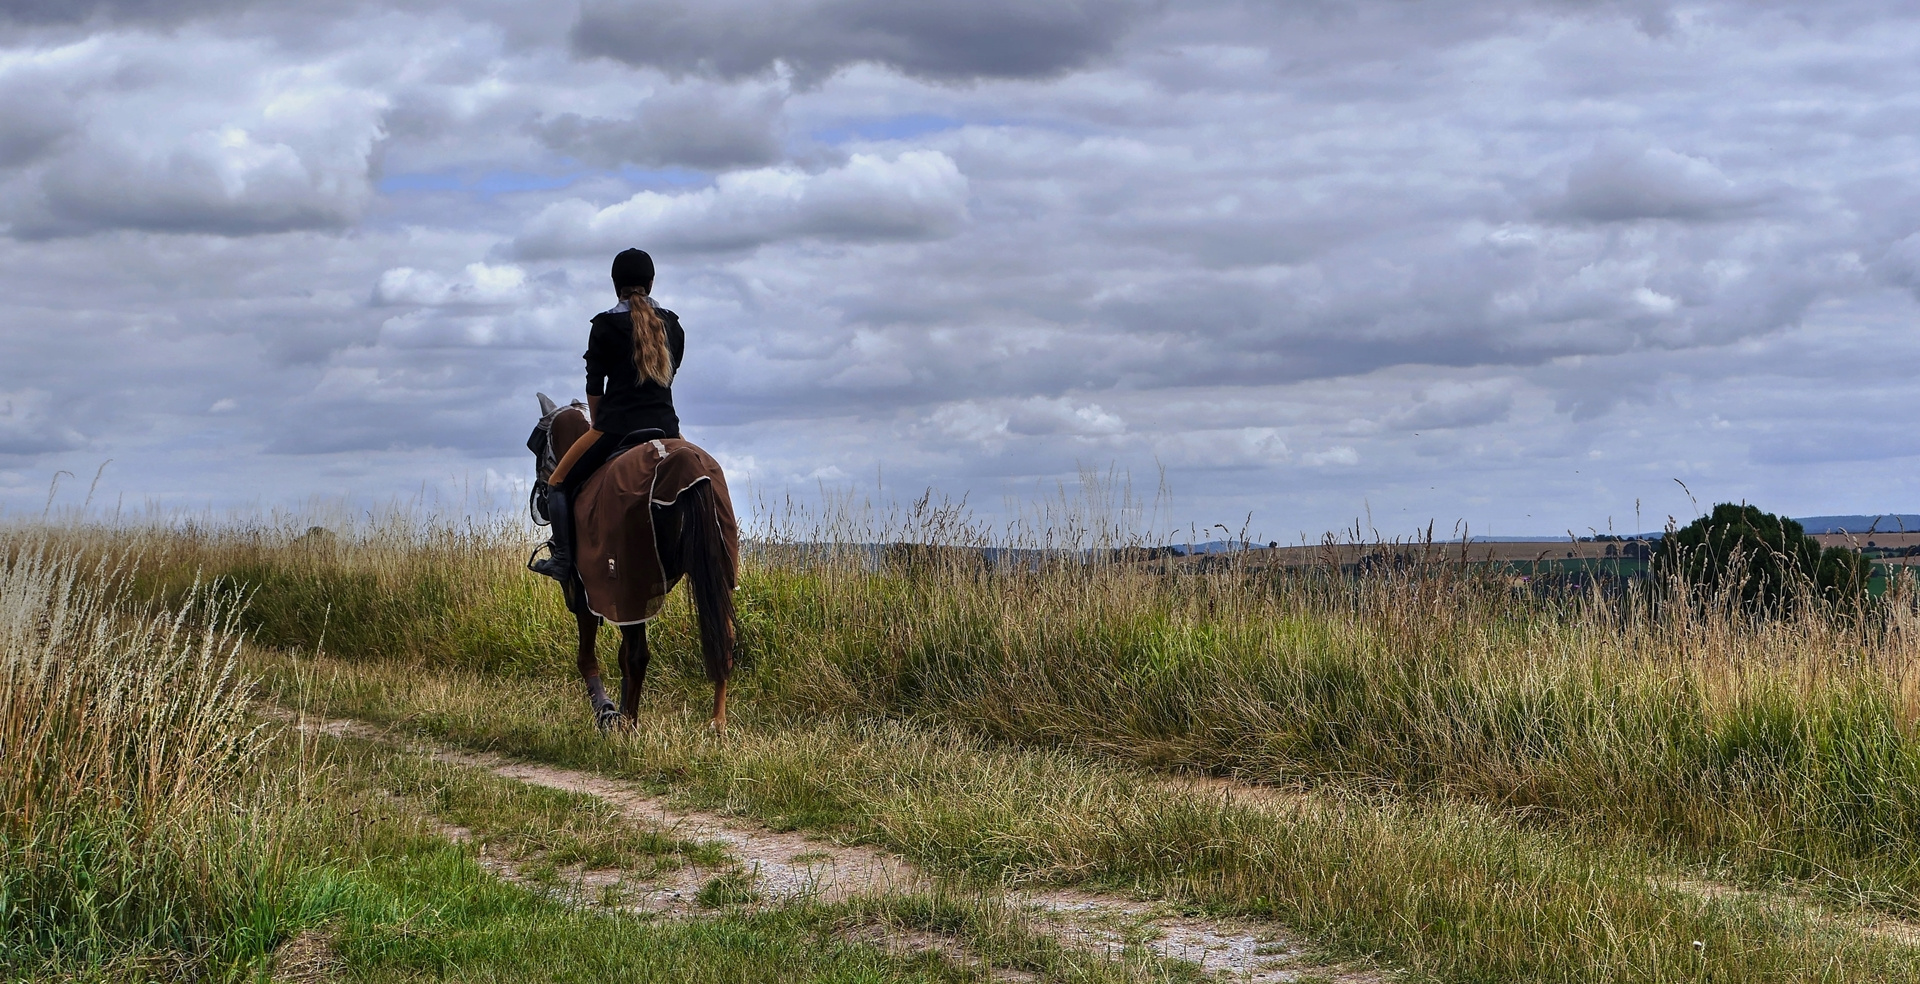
(128, 836)
(1771, 749)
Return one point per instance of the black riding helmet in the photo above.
(633, 268)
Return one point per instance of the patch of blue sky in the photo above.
(890, 128)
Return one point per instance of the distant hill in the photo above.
(1213, 547)
(1887, 523)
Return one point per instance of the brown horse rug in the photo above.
(616, 547)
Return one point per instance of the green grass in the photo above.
(1446, 892)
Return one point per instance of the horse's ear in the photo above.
(547, 406)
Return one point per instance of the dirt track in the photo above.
(789, 866)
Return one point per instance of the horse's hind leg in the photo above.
(589, 663)
(634, 657)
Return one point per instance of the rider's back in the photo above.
(627, 401)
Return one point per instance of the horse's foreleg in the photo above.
(589, 663)
(634, 657)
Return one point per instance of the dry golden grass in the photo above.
(127, 828)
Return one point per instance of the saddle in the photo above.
(636, 438)
(538, 443)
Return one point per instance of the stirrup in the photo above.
(572, 590)
(549, 566)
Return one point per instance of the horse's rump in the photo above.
(616, 549)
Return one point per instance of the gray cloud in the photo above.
(185, 193)
(925, 38)
(32, 124)
(1900, 264)
(31, 424)
(1450, 407)
(40, 12)
(1620, 181)
(710, 128)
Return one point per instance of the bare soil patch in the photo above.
(1233, 949)
(785, 865)
(307, 958)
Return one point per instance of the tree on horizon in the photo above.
(1770, 560)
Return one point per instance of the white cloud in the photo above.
(1655, 301)
(478, 284)
(993, 422)
(1341, 456)
(205, 142)
(1236, 447)
(971, 421)
(915, 195)
(1063, 416)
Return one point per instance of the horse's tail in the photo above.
(709, 568)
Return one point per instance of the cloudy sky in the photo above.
(1516, 264)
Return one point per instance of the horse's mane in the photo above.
(564, 426)
(569, 422)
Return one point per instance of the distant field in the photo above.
(1548, 548)
(1418, 770)
(1562, 557)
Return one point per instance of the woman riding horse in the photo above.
(632, 353)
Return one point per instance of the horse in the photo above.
(694, 535)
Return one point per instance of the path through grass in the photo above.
(1439, 891)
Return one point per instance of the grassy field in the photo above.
(1428, 771)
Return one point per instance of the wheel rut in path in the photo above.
(790, 866)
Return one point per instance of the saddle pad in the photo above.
(615, 548)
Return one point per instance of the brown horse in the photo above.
(624, 578)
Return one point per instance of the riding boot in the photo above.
(558, 564)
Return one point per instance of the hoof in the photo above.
(607, 717)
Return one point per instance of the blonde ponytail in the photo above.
(650, 354)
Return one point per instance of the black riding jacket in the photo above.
(627, 402)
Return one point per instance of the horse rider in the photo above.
(633, 351)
